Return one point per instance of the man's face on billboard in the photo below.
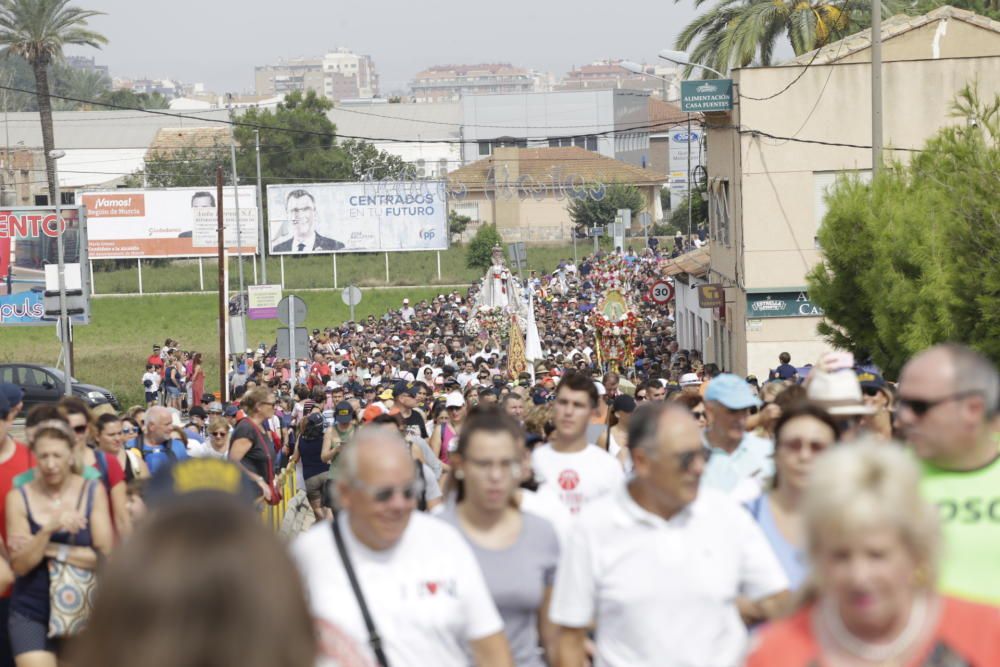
(302, 216)
(202, 201)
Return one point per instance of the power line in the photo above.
(790, 83)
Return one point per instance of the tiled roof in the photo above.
(891, 28)
(664, 115)
(172, 139)
(694, 262)
(562, 165)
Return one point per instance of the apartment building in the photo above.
(449, 83)
(338, 75)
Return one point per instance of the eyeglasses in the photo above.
(82, 428)
(797, 444)
(510, 467)
(686, 459)
(271, 403)
(383, 494)
(921, 408)
(220, 434)
(129, 431)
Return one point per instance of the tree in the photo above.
(913, 259)
(37, 30)
(371, 164)
(79, 84)
(133, 100)
(457, 224)
(699, 214)
(480, 252)
(737, 33)
(587, 211)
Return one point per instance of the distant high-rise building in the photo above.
(448, 83)
(87, 64)
(609, 74)
(339, 75)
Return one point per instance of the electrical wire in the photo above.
(790, 83)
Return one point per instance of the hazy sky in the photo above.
(218, 42)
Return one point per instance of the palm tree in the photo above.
(737, 33)
(79, 84)
(37, 30)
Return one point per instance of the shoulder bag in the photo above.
(272, 480)
(71, 588)
(374, 640)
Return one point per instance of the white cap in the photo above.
(601, 389)
(406, 300)
(839, 393)
(454, 400)
(332, 385)
(690, 380)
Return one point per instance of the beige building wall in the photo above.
(776, 202)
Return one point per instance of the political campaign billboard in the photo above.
(357, 217)
(160, 223)
(29, 238)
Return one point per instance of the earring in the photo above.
(459, 474)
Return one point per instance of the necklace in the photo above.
(878, 653)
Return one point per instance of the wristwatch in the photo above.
(63, 553)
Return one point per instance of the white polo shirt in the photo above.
(663, 592)
(427, 595)
(577, 477)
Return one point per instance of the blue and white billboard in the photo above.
(369, 216)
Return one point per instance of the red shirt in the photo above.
(155, 360)
(967, 635)
(22, 459)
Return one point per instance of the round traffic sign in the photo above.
(661, 292)
(351, 296)
(297, 307)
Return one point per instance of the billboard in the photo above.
(28, 246)
(357, 217)
(156, 223)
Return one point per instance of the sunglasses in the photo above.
(82, 428)
(870, 391)
(129, 431)
(798, 444)
(383, 494)
(686, 459)
(220, 434)
(921, 408)
(698, 414)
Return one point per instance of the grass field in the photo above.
(112, 350)
(365, 270)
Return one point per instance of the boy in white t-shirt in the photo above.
(151, 384)
(577, 471)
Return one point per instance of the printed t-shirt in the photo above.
(578, 477)
(966, 636)
(969, 505)
(427, 595)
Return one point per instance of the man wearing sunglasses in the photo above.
(427, 596)
(658, 564)
(948, 406)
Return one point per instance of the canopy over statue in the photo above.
(500, 298)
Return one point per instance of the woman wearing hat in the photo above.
(615, 437)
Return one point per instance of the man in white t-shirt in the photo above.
(424, 589)
(407, 312)
(579, 471)
(658, 565)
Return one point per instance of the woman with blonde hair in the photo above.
(873, 543)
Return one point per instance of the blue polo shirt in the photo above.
(156, 455)
(751, 461)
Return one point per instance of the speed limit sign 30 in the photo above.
(661, 292)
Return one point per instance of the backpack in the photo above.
(422, 498)
(168, 449)
(312, 428)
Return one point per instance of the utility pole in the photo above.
(261, 239)
(876, 86)
(223, 314)
(236, 205)
(64, 325)
(689, 188)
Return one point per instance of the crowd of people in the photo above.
(662, 513)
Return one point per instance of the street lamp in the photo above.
(61, 256)
(682, 58)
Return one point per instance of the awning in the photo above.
(694, 262)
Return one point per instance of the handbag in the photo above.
(71, 591)
(374, 640)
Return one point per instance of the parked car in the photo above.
(43, 384)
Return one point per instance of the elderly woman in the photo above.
(873, 542)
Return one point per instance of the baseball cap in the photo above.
(198, 411)
(4, 404)
(870, 379)
(601, 389)
(690, 380)
(231, 411)
(454, 400)
(198, 480)
(623, 403)
(386, 395)
(12, 392)
(215, 408)
(406, 300)
(732, 391)
(344, 413)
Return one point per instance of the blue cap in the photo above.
(12, 392)
(343, 413)
(198, 480)
(731, 391)
(4, 406)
